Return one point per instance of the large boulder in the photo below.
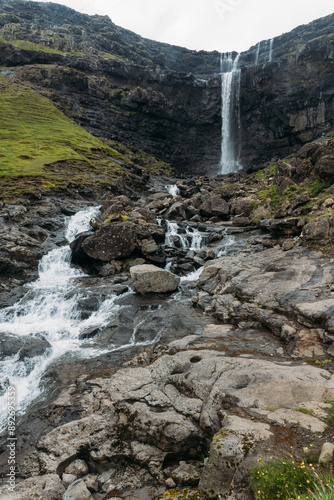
(149, 278)
(215, 206)
(112, 241)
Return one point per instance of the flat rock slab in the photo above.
(151, 279)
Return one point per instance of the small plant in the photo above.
(330, 418)
(305, 411)
(280, 479)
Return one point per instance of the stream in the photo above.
(67, 316)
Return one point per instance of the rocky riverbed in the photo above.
(186, 311)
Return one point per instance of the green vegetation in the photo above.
(305, 411)
(330, 418)
(40, 148)
(288, 480)
(24, 44)
(316, 187)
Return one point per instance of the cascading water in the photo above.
(49, 315)
(230, 96)
(172, 189)
(190, 239)
(271, 50)
(264, 52)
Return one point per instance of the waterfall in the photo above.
(172, 189)
(230, 111)
(190, 239)
(271, 46)
(257, 54)
(264, 54)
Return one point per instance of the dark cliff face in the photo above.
(289, 101)
(166, 100)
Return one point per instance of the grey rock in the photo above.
(78, 491)
(149, 278)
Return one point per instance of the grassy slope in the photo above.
(40, 148)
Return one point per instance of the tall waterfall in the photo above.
(271, 47)
(230, 94)
(264, 52)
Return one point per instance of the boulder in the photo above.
(324, 168)
(149, 278)
(285, 227)
(215, 205)
(317, 231)
(112, 241)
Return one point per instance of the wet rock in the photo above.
(25, 346)
(112, 241)
(149, 278)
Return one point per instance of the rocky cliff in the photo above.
(166, 100)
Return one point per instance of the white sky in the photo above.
(222, 25)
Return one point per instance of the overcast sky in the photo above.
(222, 25)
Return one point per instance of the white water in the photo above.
(191, 239)
(257, 54)
(230, 97)
(172, 189)
(228, 242)
(271, 49)
(50, 311)
(264, 52)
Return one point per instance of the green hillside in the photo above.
(40, 148)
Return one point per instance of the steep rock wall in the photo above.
(166, 100)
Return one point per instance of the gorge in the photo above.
(166, 261)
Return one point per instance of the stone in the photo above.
(78, 468)
(317, 231)
(68, 479)
(288, 245)
(92, 483)
(112, 241)
(186, 475)
(215, 206)
(170, 483)
(324, 168)
(78, 491)
(148, 278)
(148, 246)
(326, 454)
